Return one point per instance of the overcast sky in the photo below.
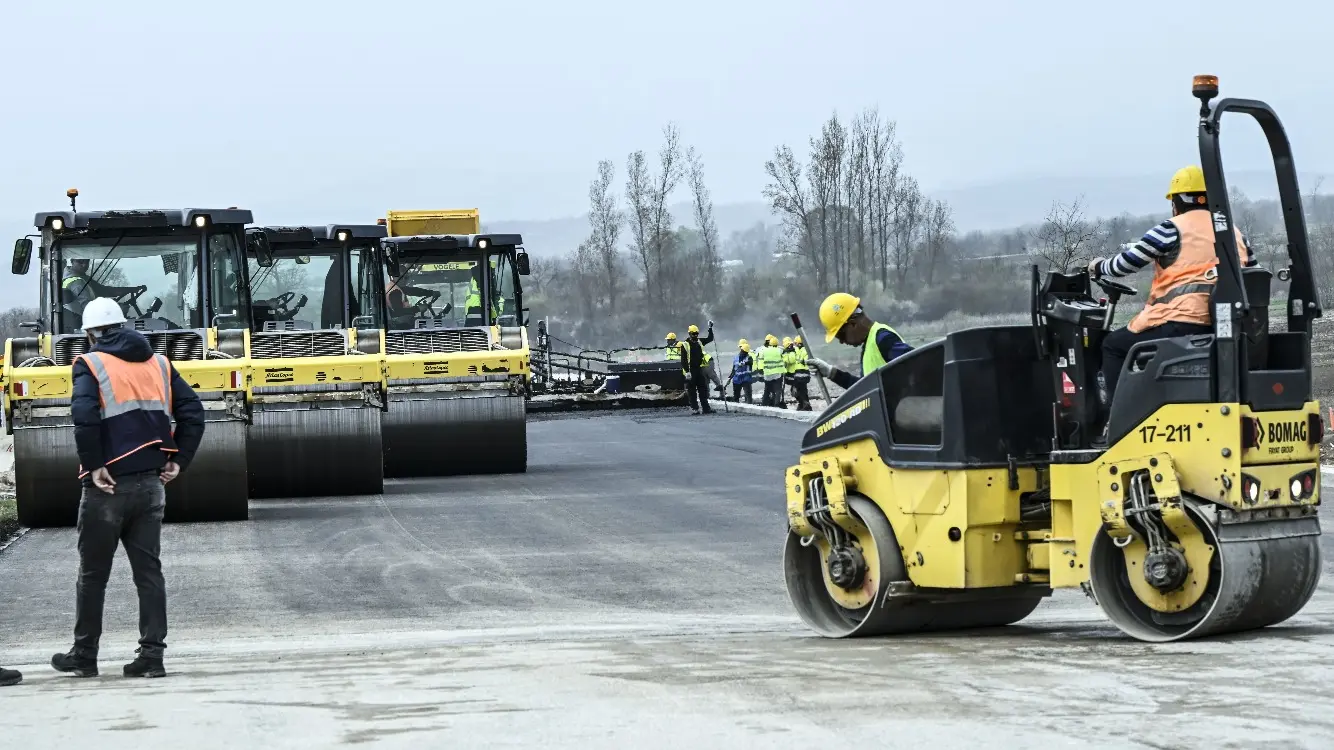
(338, 111)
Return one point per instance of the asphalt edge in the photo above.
(772, 412)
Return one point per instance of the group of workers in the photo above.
(1181, 251)
(137, 426)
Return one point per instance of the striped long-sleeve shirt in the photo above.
(1159, 242)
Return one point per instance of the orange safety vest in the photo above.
(128, 387)
(1180, 290)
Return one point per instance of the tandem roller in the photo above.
(456, 350)
(959, 484)
(317, 374)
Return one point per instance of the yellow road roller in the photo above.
(960, 484)
(455, 347)
(179, 277)
(317, 381)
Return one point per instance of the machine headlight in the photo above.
(57, 224)
(1296, 489)
(483, 243)
(201, 221)
(342, 235)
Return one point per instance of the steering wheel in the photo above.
(280, 311)
(1115, 287)
(131, 298)
(427, 302)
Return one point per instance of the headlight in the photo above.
(482, 244)
(201, 221)
(342, 235)
(57, 224)
(1296, 489)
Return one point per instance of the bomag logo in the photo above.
(842, 417)
(1281, 432)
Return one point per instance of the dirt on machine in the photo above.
(960, 484)
(455, 346)
(317, 380)
(176, 275)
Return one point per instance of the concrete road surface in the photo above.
(625, 592)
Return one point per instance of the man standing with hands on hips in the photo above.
(125, 399)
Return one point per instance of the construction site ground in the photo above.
(625, 592)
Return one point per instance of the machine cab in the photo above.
(314, 278)
(453, 281)
(176, 274)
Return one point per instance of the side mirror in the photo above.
(521, 264)
(257, 244)
(22, 256)
(302, 260)
(391, 263)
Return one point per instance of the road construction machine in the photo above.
(960, 484)
(317, 381)
(189, 263)
(455, 347)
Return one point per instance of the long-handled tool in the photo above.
(723, 396)
(796, 323)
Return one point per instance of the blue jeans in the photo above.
(132, 516)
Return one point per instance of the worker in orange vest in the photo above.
(1181, 251)
(125, 399)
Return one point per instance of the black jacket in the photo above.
(92, 437)
(692, 352)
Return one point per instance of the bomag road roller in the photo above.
(178, 275)
(958, 485)
(455, 347)
(317, 380)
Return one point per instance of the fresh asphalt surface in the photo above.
(627, 590)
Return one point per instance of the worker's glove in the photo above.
(820, 366)
(1094, 266)
(689, 378)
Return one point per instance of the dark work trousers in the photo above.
(698, 388)
(773, 392)
(799, 389)
(132, 517)
(742, 389)
(1118, 343)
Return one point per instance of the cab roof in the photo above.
(447, 241)
(315, 234)
(137, 218)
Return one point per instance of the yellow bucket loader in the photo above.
(189, 263)
(455, 347)
(960, 484)
(317, 380)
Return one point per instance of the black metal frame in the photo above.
(499, 244)
(1230, 292)
(289, 241)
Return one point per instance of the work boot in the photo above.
(143, 666)
(79, 666)
(10, 677)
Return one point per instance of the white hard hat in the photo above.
(102, 311)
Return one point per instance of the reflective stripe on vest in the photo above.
(1180, 291)
(872, 360)
(129, 386)
(674, 351)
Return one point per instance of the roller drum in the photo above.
(428, 435)
(315, 452)
(890, 613)
(1262, 573)
(214, 487)
(46, 476)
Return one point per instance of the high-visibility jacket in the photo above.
(1182, 284)
(799, 358)
(872, 359)
(134, 400)
(771, 363)
(674, 351)
(473, 303)
(790, 361)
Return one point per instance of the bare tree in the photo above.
(709, 262)
(937, 232)
(1067, 236)
(605, 221)
(790, 199)
(650, 219)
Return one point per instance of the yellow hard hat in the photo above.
(787, 341)
(771, 339)
(835, 311)
(671, 337)
(693, 329)
(797, 341)
(744, 345)
(1187, 180)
